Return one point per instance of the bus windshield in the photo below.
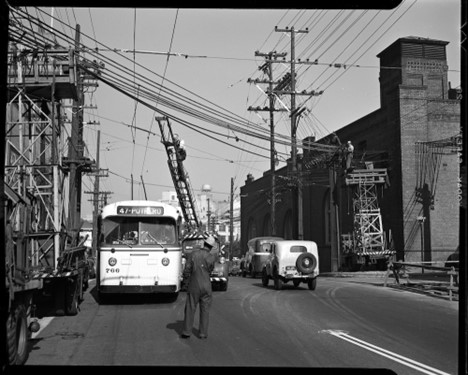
(138, 231)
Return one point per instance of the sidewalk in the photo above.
(436, 284)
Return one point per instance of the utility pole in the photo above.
(208, 215)
(74, 153)
(96, 193)
(294, 124)
(95, 196)
(231, 220)
(267, 68)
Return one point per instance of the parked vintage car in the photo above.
(256, 255)
(291, 260)
(220, 275)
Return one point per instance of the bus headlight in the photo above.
(112, 262)
(165, 261)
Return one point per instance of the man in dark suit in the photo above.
(197, 270)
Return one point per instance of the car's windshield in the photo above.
(137, 230)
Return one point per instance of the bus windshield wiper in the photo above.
(155, 240)
(124, 243)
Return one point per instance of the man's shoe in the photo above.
(184, 336)
(203, 336)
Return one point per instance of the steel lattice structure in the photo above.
(368, 232)
(35, 143)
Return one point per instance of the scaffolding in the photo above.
(368, 234)
(37, 85)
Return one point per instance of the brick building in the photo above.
(414, 135)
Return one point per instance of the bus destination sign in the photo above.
(140, 210)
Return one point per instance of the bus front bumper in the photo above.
(138, 289)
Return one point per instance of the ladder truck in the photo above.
(194, 235)
(179, 176)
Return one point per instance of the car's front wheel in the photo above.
(312, 283)
(265, 278)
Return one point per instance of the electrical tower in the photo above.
(368, 235)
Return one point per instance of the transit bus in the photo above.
(139, 249)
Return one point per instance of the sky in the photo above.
(212, 57)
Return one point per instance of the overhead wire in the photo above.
(89, 51)
(133, 129)
(162, 83)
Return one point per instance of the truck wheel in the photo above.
(73, 291)
(17, 336)
(312, 283)
(265, 278)
(277, 280)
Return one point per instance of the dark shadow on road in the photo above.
(133, 299)
(177, 326)
(286, 286)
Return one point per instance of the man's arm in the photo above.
(188, 267)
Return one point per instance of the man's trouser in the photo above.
(191, 304)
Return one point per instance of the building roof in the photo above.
(412, 40)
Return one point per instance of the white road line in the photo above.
(386, 353)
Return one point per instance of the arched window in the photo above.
(267, 225)
(287, 226)
(251, 228)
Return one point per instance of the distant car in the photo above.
(234, 267)
(291, 260)
(220, 275)
(256, 255)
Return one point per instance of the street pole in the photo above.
(294, 124)
(96, 197)
(267, 67)
(74, 209)
(208, 215)
(231, 220)
(272, 150)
